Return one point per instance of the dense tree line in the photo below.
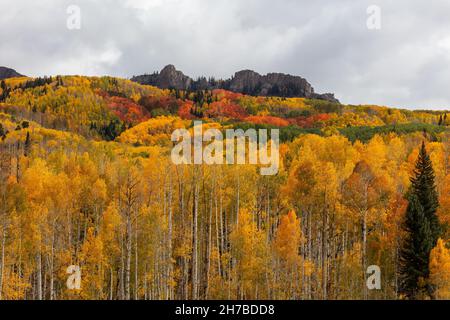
(142, 228)
(86, 179)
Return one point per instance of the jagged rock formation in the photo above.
(245, 81)
(273, 84)
(169, 77)
(6, 73)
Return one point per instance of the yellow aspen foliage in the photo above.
(14, 286)
(286, 247)
(101, 193)
(249, 249)
(287, 239)
(444, 200)
(440, 270)
(92, 263)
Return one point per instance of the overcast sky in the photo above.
(404, 64)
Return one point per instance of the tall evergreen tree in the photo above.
(422, 229)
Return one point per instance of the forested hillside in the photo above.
(86, 179)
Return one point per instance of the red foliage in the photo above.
(275, 121)
(225, 108)
(310, 122)
(185, 110)
(127, 111)
(165, 103)
(224, 94)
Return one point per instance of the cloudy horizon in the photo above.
(404, 64)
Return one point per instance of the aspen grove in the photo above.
(86, 179)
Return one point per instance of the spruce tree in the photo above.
(422, 229)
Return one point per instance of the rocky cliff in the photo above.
(168, 78)
(245, 81)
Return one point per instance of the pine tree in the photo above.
(5, 92)
(422, 229)
(423, 185)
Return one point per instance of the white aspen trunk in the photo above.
(122, 269)
(208, 252)
(39, 274)
(2, 265)
(324, 255)
(222, 236)
(364, 252)
(217, 235)
(238, 201)
(136, 259)
(52, 262)
(195, 245)
(310, 253)
(111, 284)
(128, 258)
(169, 242)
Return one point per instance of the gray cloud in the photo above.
(405, 64)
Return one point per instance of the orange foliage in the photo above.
(275, 121)
(184, 112)
(127, 111)
(226, 109)
(310, 122)
(288, 238)
(224, 94)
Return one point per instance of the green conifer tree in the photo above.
(422, 230)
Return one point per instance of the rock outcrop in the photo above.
(272, 84)
(6, 73)
(168, 78)
(245, 81)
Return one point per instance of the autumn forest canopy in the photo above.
(86, 179)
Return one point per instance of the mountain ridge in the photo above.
(6, 73)
(244, 81)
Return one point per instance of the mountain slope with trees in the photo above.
(86, 179)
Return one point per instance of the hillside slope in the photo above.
(104, 107)
(87, 179)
